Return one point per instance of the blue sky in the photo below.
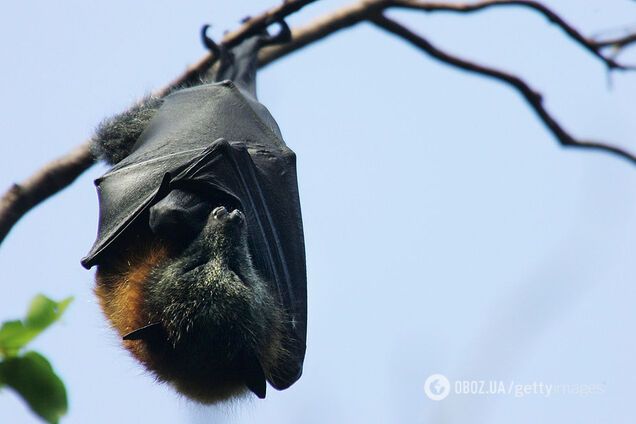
(446, 231)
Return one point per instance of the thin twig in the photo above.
(591, 46)
(533, 98)
(616, 43)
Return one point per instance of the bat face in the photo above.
(199, 317)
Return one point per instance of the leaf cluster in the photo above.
(29, 373)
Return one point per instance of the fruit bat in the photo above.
(200, 253)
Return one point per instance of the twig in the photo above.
(533, 98)
(591, 46)
(616, 43)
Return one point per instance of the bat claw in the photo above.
(237, 215)
(219, 212)
(144, 333)
(283, 36)
(209, 43)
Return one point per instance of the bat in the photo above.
(200, 251)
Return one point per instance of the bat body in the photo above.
(200, 253)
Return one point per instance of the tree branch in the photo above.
(617, 43)
(533, 98)
(60, 173)
(53, 177)
(592, 46)
(322, 27)
(251, 26)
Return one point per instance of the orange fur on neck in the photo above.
(120, 289)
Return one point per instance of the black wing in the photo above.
(265, 184)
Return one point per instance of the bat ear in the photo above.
(255, 377)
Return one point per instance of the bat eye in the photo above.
(219, 212)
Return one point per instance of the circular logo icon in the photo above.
(437, 387)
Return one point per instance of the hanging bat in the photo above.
(200, 253)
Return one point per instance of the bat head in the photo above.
(199, 317)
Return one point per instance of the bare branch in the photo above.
(533, 98)
(590, 45)
(52, 178)
(322, 27)
(617, 43)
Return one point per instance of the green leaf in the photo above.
(14, 335)
(42, 312)
(32, 376)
